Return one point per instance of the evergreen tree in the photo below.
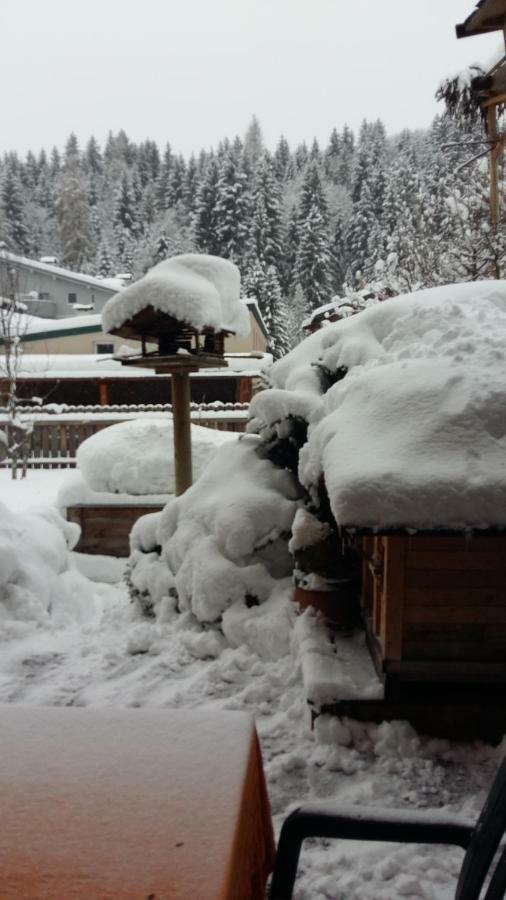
(282, 163)
(162, 184)
(332, 157)
(253, 144)
(176, 183)
(73, 211)
(205, 219)
(265, 235)
(279, 343)
(313, 265)
(105, 266)
(312, 194)
(124, 207)
(14, 225)
(362, 230)
(232, 209)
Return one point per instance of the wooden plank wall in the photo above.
(455, 598)
(106, 529)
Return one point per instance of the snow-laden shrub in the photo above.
(222, 545)
(137, 457)
(37, 581)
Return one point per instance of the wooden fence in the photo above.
(54, 440)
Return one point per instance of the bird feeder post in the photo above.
(181, 399)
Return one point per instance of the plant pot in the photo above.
(339, 606)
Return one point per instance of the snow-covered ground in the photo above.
(103, 653)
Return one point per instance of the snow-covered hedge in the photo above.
(407, 429)
(137, 457)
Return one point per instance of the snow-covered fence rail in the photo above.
(56, 437)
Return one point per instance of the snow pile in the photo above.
(38, 583)
(414, 434)
(194, 288)
(223, 546)
(137, 457)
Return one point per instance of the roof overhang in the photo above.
(488, 16)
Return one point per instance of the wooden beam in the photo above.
(182, 431)
(393, 590)
(103, 388)
(494, 178)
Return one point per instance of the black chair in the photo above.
(480, 840)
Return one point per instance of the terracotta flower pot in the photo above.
(339, 607)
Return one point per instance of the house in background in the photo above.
(68, 360)
(83, 334)
(51, 292)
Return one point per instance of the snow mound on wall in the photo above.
(223, 542)
(37, 581)
(414, 434)
(137, 457)
(194, 288)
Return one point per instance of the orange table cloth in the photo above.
(140, 803)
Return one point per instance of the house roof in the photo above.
(84, 366)
(37, 328)
(111, 285)
(489, 15)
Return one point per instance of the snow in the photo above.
(137, 457)
(75, 491)
(88, 365)
(215, 567)
(194, 288)
(335, 670)
(24, 323)
(40, 487)
(37, 580)
(414, 434)
(104, 654)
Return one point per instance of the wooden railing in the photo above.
(54, 440)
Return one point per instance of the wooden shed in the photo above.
(434, 612)
(435, 607)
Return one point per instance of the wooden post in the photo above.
(494, 177)
(181, 397)
(103, 388)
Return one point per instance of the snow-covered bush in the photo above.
(412, 434)
(137, 457)
(220, 551)
(37, 580)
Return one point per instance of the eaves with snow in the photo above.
(414, 434)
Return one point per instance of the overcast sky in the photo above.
(194, 71)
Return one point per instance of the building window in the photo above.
(43, 295)
(72, 298)
(104, 348)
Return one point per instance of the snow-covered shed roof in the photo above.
(488, 15)
(414, 434)
(36, 328)
(106, 284)
(83, 365)
(200, 290)
(337, 306)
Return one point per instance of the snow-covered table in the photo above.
(140, 803)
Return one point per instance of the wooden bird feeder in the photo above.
(182, 349)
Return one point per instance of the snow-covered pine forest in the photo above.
(303, 223)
